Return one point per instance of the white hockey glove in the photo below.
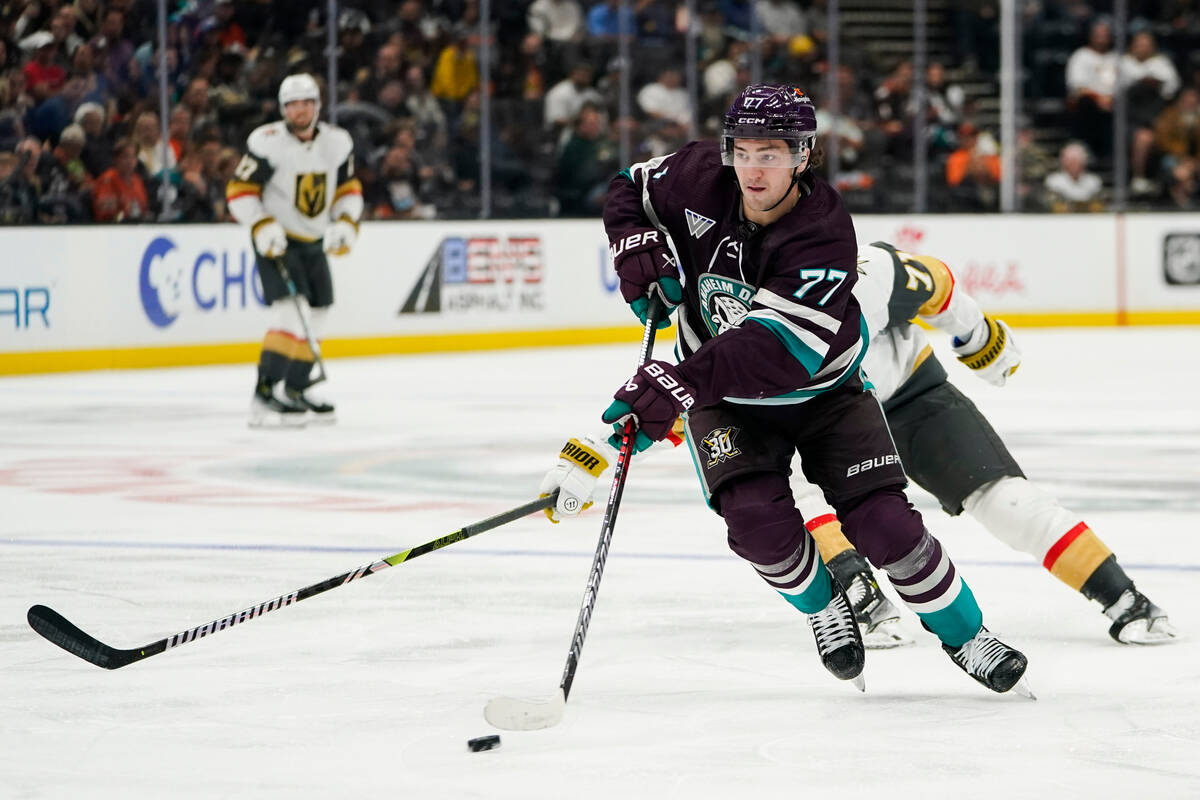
(270, 239)
(340, 237)
(990, 351)
(580, 465)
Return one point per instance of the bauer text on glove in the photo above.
(653, 398)
(643, 262)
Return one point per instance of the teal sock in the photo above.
(957, 623)
(818, 593)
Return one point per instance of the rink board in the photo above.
(145, 296)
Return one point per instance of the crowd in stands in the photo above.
(81, 135)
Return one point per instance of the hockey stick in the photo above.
(312, 343)
(513, 714)
(62, 632)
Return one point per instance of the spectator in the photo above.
(1091, 81)
(557, 21)
(179, 130)
(1177, 137)
(43, 77)
(781, 20)
(196, 99)
(388, 66)
(395, 194)
(1150, 81)
(721, 77)
(422, 106)
(95, 86)
(586, 165)
(66, 182)
(605, 21)
(148, 140)
(1073, 188)
(566, 98)
(665, 99)
(62, 28)
(120, 194)
(97, 148)
(973, 171)
(893, 99)
(19, 195)
(456, 74)
(114, 51)
(945, 107)
(87, 18)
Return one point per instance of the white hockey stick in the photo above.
(512, 714)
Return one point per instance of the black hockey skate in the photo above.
(878, 619)
(271, 408)
(839, 642)
(1138, 621)
(322, 412)
(991, 662)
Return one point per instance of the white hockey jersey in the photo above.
(893, 288)
(304, 185)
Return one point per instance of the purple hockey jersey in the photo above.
(768, 316)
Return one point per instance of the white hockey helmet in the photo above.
(300, 86)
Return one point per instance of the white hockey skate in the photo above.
(878, 619)
(1138, 621)
(271, 408)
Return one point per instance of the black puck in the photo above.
(483, 743)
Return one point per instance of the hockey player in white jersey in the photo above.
(946, 445)
(295, 190)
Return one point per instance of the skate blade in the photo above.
(321, 420)
(859, 682)
(885, 635)
(269, 424)
(1021, 687)
(1159, 631)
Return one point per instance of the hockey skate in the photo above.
(320, 412)
(991, 662)
(839, 642)
(271, 408)
(1138, 621)
(878, 619)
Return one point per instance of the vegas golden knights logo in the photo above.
(720, 446)
(310, 193)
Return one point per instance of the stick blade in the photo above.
(511, 714)
(59, 630)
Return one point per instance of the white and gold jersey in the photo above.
(894, 288)
(304, 185)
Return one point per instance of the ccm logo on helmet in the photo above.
(872, 463)
(751, 120)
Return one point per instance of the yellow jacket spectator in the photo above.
(456, 74)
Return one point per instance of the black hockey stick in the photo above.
(62, 632)
(512, 714)
(312, 343)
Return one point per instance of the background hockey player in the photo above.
(296, 191)
(947, 447)
(767, 324)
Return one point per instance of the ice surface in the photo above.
(139, 504)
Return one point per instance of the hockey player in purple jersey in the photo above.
(759, 257)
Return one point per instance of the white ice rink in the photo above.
(138, 504)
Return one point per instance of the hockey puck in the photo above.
(483, 743)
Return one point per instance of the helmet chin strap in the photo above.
(791, 185)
